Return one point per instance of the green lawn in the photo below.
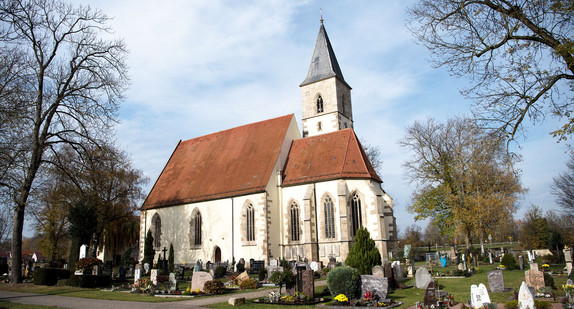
(5, 304)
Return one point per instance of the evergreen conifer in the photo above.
(149, 253)
(364, 254)
(170, 259)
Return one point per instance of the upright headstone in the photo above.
(153, 276)
(422, 278)
(374, 283)
(430, 294)
(474, 262)
(407, 251)
(495, 281)
(198, 266)
(411, 268)
(378, 271)
(314, 266)
(199, 279)
(568, 259)
(525, 297)
(137, 274)
(146, 267)
(274, 262)
(479, 296)
(389, 273)
(534, 277)
(172, 282)
(397, 270)
(521, 262)
(83, 251)
(490, 257)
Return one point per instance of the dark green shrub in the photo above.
(542, 304)
(149, 252)
(262, 274)
(219, 272)
(248, 284)
(90, 281)
(511, 304)
(364, 254)
(214, 287)
(281, 278)
(46, 276)
(344, 280)
(548, 280)
(240, 267)
(509, 262)
(170, 259)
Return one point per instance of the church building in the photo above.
(267, 190)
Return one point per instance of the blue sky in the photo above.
(198, 67)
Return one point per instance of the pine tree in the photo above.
(149, 253)
(363, 255)
(170, 259)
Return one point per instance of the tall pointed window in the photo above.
(156, 231)
(355, 213)
(329, 218)
(319, 104)
(295, 235)
(195, 229)
(250, 223)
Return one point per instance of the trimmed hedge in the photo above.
(90, 281)
(344, 280)
(50, 276)
(214, 287)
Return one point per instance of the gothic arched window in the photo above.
(329, 218)
(195, 228)
(250, 223)
(355, 213)
(156, 231)
(319, 104)
(295, 235)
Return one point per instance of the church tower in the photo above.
(326, 95)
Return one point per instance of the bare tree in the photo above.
(519, 55)
(563, 187)
(70, 83)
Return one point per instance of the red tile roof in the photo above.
(233, 162)
(328, 156)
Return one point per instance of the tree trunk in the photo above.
(17, 227)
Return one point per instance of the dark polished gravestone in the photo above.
(496, 281)
(430, 294)
(379, 285)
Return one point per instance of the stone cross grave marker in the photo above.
(430, 294)
(479, 296)
(199, 279)
(495, 280)
(378, 271)
(422, 278)
(172, 282)
(153, 276)
(525, 297)
(373, 283)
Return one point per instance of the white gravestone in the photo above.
(479, 296)
(146, 267)
(83, 249)
(137, 275)
(396, 265)
(153, 276)
(525, 297)
(314, 266)
(199, 279)
(172, 282)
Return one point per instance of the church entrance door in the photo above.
(217, 255)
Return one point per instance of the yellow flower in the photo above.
(341, 298)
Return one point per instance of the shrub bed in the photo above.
(90, 281)
(50, 276)
(344, 280)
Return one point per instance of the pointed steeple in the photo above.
(324, 63)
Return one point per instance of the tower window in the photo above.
(319, 104)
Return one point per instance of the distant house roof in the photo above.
(323, 63)
(229, 163)
(328, 156)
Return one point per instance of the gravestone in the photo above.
(479, 296)
(256, 266)
(304, 282)
(199, 279)
(474, 262)
(272, 269)
(495, 281)
(422, 278)
(180, 271)
(534, 277)
(490, 257)
(430, 294)
(389, 273)
(153, 276)
(172, 282)
(378, 271)
(83, 251)
(568, 259)
(525, 297)
(397, 270)
(146, 267)
(332, 262)
(374, 283)
(244, 275)
(407, 251)
(410, 268)
(314, 266)
(274, 262)
(198, 266)
(137, 273)
(521, 262)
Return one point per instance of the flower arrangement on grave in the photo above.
(342, 299)
(569, 289)
(501, 266)
(144, 285)
(371, 299)
(545, 266)
(272, 297)
(295, 298)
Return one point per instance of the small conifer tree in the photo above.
(170, 259)
(149, 253)
(363, 255)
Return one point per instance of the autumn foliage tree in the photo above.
(465, 178)
(518, 55)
